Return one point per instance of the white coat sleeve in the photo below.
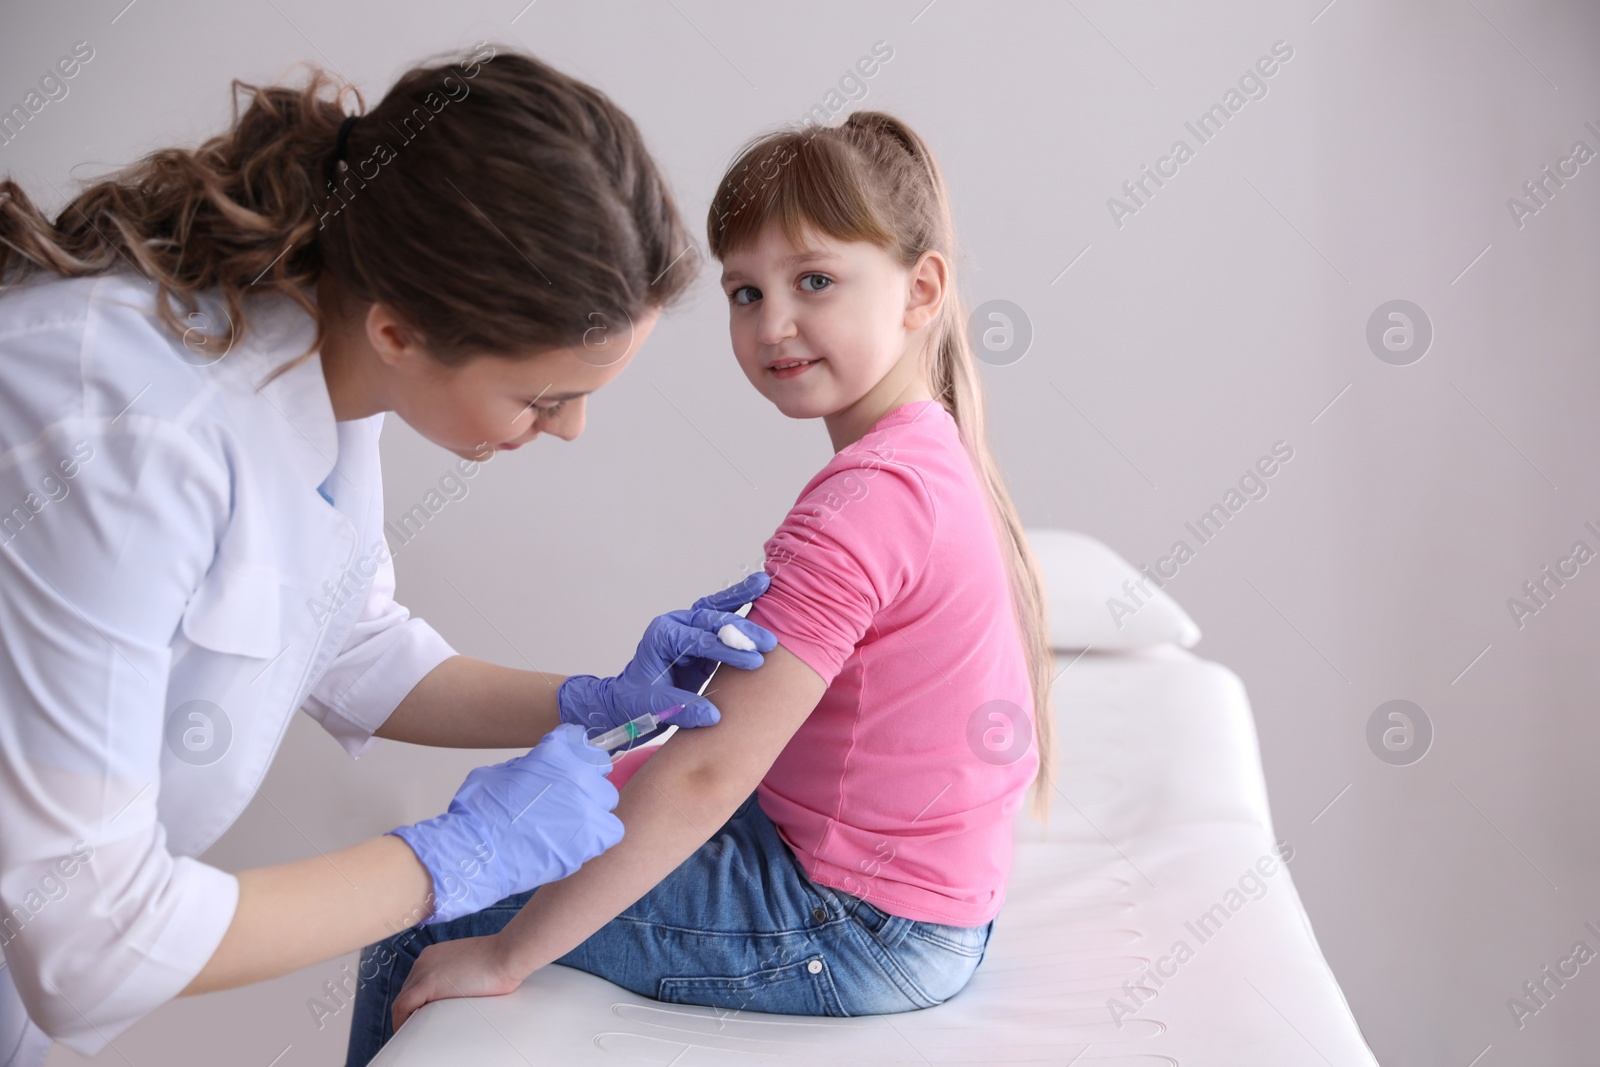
(385, 656)
(100, 923)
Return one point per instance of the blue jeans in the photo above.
(737, 925)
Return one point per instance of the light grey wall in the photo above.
(1229, 312)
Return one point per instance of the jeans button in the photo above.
(820, 915)
(815, 966)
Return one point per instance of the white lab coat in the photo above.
(172, 587)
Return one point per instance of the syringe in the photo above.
(633, 729)
(649, 722)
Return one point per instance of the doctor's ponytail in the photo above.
(494, 204)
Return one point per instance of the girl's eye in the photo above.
(547, 411)
(756, 293)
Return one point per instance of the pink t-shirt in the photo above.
(888, 580)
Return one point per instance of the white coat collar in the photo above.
(300, 395)
(279, 330)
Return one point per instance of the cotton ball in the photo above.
(734, 637)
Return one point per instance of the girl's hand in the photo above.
(467, 967)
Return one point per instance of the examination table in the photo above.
(1151, 923)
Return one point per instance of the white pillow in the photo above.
(1089, 605)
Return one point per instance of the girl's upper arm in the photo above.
(847, 548)
(761, 710)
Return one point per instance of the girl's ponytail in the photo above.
(957, 385)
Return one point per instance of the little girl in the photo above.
(839, 843)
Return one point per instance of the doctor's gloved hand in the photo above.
(691, 671)
(677, 654)
(519, 824)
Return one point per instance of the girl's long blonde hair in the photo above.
(874, 179)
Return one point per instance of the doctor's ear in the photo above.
(395, 342)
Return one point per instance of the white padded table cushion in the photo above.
(1161, 809)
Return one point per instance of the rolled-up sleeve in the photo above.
(99, 921)
(387, 653)
(851, 543)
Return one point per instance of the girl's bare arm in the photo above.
(677, 800)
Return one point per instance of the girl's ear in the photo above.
(929, 276)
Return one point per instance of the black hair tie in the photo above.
(344, 135)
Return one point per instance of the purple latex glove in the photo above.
(674, 658)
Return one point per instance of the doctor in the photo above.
(191, 520)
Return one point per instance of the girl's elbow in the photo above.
(715, 786)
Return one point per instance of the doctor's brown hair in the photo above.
(496, 205)
(874, 179)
